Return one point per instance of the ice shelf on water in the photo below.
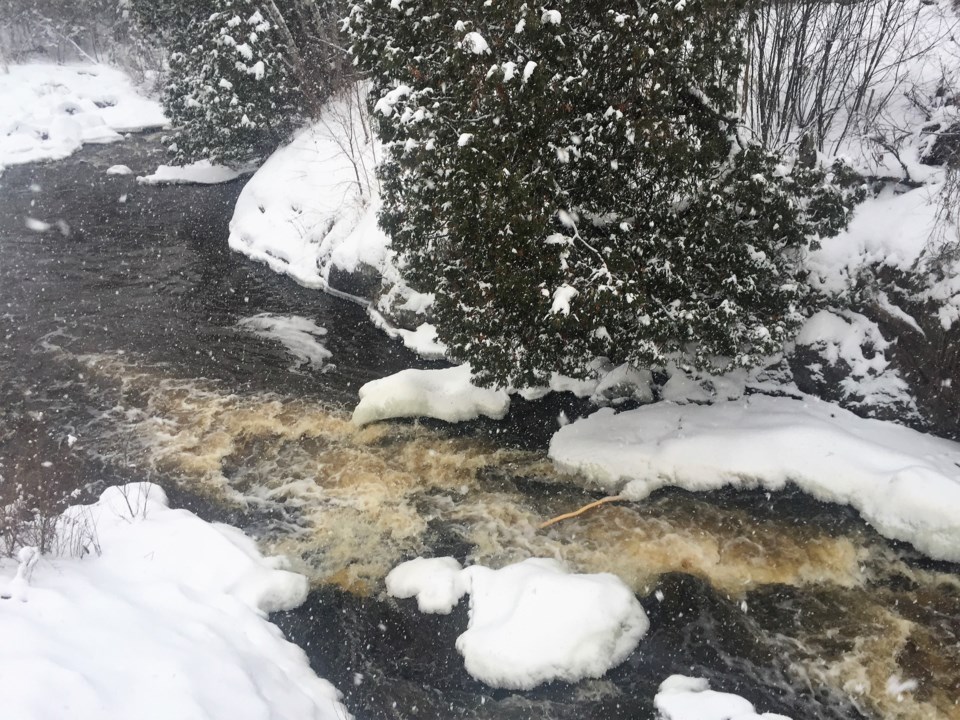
(903, 482)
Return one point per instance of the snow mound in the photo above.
(531, 622)
(437, 583)
(298, 335)
(446, 394)
(687, 698)
(169, 621)
(119, 170)
(903, 482)
(202, 172)
(48, 112)
(313, 204)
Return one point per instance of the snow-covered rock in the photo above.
(686, 698)
(531, 622)
(313, 204)
(446, 394)
(903, 482)
(169, 621)
(48, 111)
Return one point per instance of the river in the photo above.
(123, 359)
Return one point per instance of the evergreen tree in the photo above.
(571, 182)
(230, 94)
(242, 72)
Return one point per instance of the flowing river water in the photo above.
(122, 359)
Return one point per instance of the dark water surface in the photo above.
(121, 359)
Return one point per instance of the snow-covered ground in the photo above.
(165, 618)
(48, 112)
(531, 622)
(904, 483)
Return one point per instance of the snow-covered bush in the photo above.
(571, 181)
(242, 72)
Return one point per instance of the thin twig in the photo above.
(588, 506)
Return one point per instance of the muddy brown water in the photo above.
(122, 333)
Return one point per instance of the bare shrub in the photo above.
(823, 70)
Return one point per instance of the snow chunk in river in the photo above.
(531, 622)
(297, 334)
(903, 482)
(202, 172)
(446, 394)
(169, 621)
(687, 698)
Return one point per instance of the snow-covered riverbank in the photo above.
(163, 616)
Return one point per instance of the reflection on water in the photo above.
(123, 335)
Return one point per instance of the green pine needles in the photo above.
(572, 182)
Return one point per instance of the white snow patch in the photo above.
(561, 299)
(475, 42)
(890, 230)
(202, 172)
(686, 698)
(903, 482)
(168, 622)
(842, 337)
(119, 170)
(305, 211)
(437, 583)
(48, 112)
(447, 394)
(531, 622)
(299, 335)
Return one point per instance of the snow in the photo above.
(306, 210)
(437, 583)
(298, 335)
(903, 482)
(168, 621)
(561, 299)
(48, 112)
(202, 172)
(531, 622)
(119, 170)
(475, 42)
(843, 336)
(686, 698)
(890, 230)
(446, 394)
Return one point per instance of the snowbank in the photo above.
(687, 698)
(903, 482)
(447, 394)
(48, 112)
(202, 172)
(531, 622)
(168, 622)
(313, 204)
